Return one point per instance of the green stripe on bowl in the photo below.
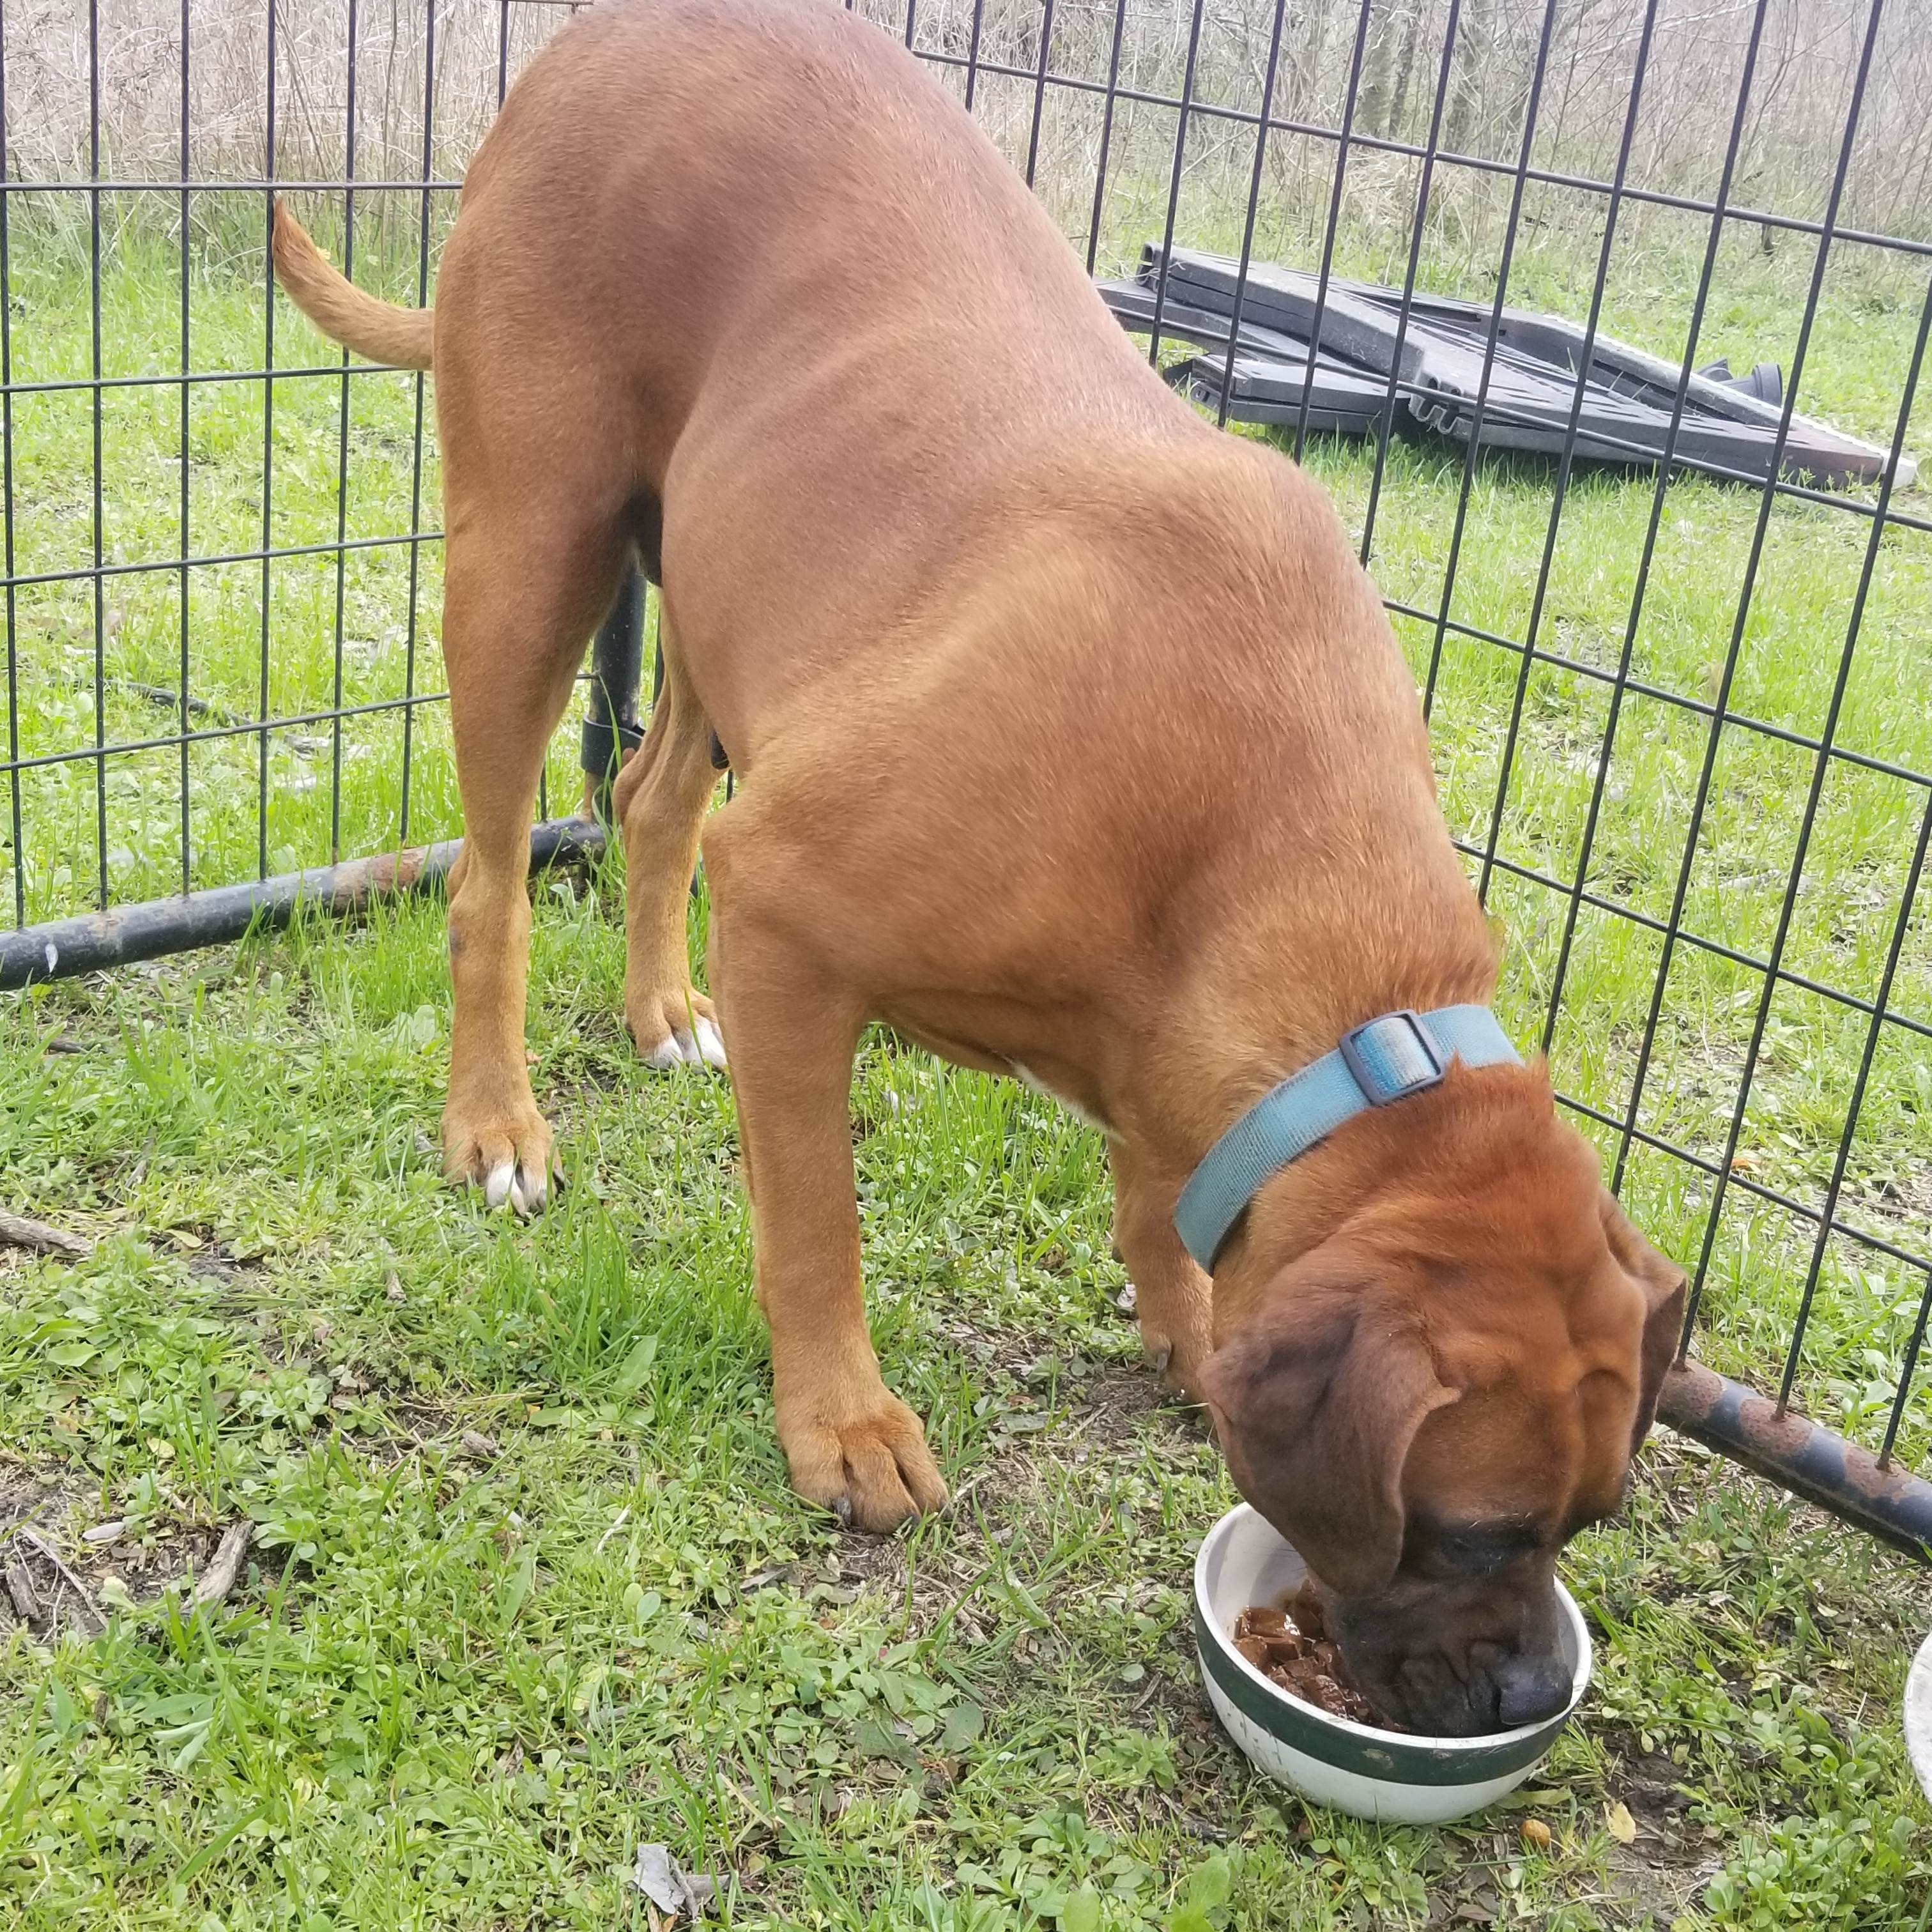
(1386, 1755)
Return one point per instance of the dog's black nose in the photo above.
(1530, 1686)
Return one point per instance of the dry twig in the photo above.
(17, 1230)
(20, 1588)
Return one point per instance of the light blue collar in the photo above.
(1388, 1059)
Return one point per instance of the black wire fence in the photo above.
(1680, 723)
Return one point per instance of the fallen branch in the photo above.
(17, 1230)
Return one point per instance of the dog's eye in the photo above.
(1472, 1550)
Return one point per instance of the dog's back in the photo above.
(837, 326)
(871, 385)
(735, 273)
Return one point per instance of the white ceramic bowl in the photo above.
(1394, 1776)
(1918, 1716)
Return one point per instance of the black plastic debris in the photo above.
(1271, 366)
(1434, 359)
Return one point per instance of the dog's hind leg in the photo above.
(521, 592)
(659, 800)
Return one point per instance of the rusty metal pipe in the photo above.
(1798, 1454)
(118, 937)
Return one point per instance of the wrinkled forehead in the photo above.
(1549, 1453)
(1549, 1382)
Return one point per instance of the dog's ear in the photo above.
(1317, 1398)
(1662, 1282)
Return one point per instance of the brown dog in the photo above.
(1074, 743)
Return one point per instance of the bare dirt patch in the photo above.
(62, 1564)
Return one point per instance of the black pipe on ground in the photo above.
(97, 941)
(1790, 1449)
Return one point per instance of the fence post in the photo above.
(610, 727)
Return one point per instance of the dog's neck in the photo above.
(1305, 1203)
(1369, 1172)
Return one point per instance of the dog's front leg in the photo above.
(853, 1445)
(1172, 1296)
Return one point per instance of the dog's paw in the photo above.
(1177, 1360)
(514, 1162)
(675, 1029)
(872, 1471)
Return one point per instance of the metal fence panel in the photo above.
(1679, 723)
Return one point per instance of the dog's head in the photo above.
(1432, 1402)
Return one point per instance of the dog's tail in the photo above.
(378, 330)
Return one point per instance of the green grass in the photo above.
(458, 1688)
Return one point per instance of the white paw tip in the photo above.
(665, 1054)
(711, 1044)
(526, 1192)
(496, 1188)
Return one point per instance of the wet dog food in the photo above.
(1290, 1647)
